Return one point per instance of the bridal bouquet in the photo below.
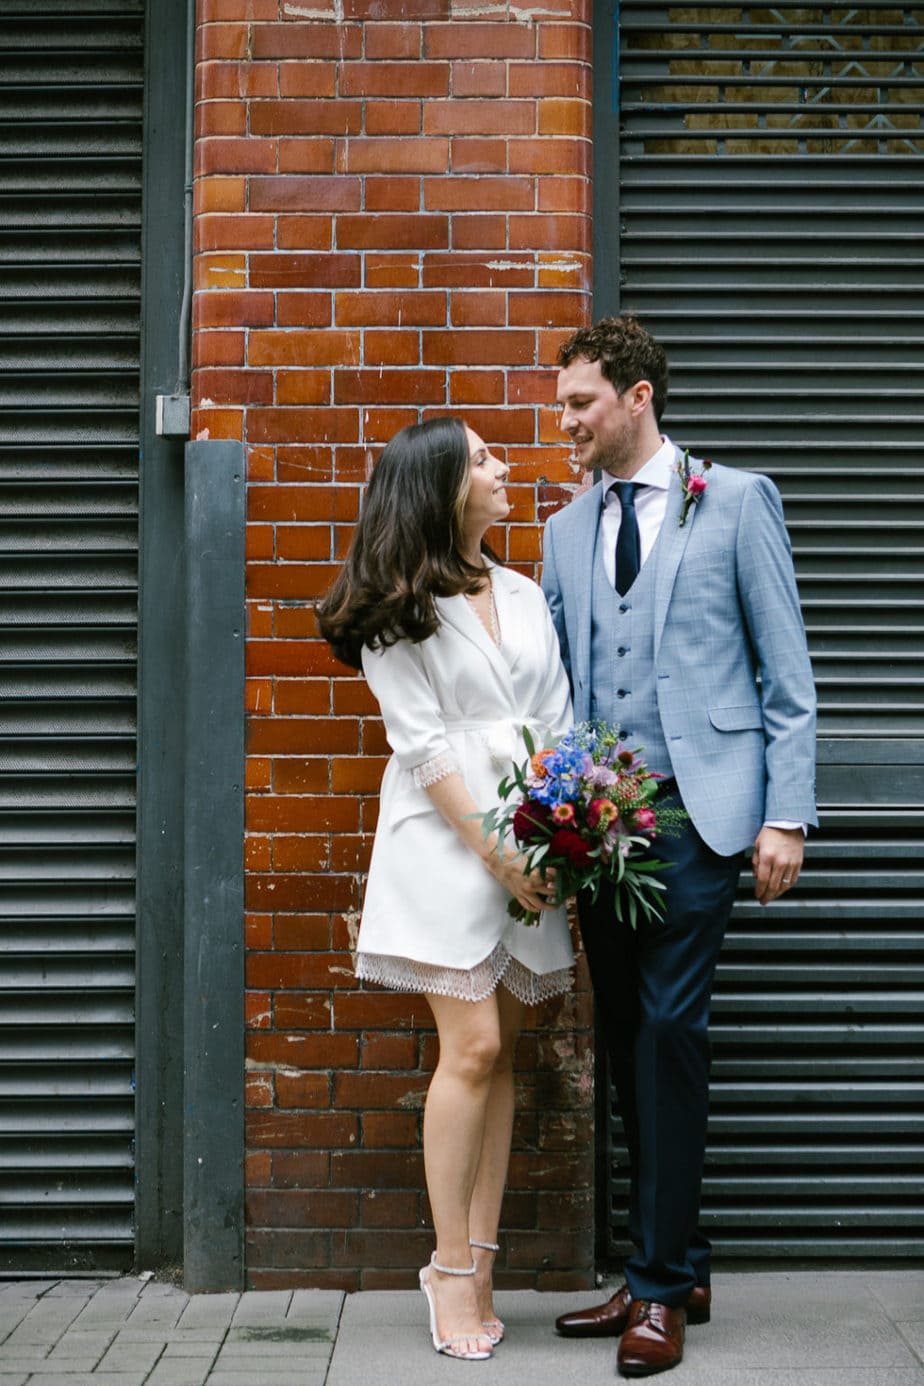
(586, 807)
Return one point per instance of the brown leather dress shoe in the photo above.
(609, 1320)
(653, 1340)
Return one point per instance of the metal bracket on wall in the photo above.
(171, 416)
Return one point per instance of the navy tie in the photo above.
(628, 549)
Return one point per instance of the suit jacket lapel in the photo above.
(586, 539)
(672, 542)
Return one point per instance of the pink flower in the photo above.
(645, 820)
(601, 777)
(692, 484)
(563, 814)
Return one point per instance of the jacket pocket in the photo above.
(743, 717)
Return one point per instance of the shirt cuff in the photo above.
(786, 825)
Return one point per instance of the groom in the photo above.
(671, 586)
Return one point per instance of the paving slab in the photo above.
(64, 1368)
(131, 1357)
(76, 1343)
(26, 1289)
(912, 1331)
(46, 1321)
(901, 1293)
(258, 1307)
(21, 1359)
(192, 1347)
(112, 1304)
(158, 1306)
(88, 1379)
(208, 1313)
(303, 1377)
(316, 1308)
(178, 1372)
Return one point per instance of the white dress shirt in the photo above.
(653, 480)
(650, 506)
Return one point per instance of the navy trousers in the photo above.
(652, 992)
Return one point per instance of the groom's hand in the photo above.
(776, 862)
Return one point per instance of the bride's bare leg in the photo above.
(495, 1150)
(453, 1136)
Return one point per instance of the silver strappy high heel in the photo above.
(493, 1327)
(448, 1346)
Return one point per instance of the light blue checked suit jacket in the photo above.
(735, 691)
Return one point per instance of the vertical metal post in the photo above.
(213, 1028)
(159, 929)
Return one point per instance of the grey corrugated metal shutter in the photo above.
(771, 201)
(70, 177)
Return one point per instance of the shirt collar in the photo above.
(656, 471)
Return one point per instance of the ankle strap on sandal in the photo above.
(486, 1246)
(450, 1270)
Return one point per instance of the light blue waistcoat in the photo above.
(623, 691)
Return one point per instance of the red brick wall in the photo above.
(392, 221)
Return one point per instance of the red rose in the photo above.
(645, 820)
(532, 821)
(696, 485)
(570, 845)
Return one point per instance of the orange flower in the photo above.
(537, 763)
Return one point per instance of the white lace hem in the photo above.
(468, 984)
(432, 771)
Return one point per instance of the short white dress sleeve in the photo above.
(434, 918)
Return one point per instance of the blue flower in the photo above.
(564, 770)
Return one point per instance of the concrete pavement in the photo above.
(782, 1328)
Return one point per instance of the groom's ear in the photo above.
(640, 396)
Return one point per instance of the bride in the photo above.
(461, 654)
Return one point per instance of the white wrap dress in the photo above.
(434, 918)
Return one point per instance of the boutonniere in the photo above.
(692, 484)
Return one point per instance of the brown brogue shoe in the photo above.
(609, 1320)
(653, 1340)
(600, 1321)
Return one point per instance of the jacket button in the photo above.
(621, 692)
(623, 650)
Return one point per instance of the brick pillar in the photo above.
(392, 222)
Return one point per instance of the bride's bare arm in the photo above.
(451, 797)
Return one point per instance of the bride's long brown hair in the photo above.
(406, 548)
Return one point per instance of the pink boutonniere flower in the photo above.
(692, 484)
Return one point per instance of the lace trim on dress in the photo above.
(432, 771)
(468, 984)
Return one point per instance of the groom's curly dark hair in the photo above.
(627, 352)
